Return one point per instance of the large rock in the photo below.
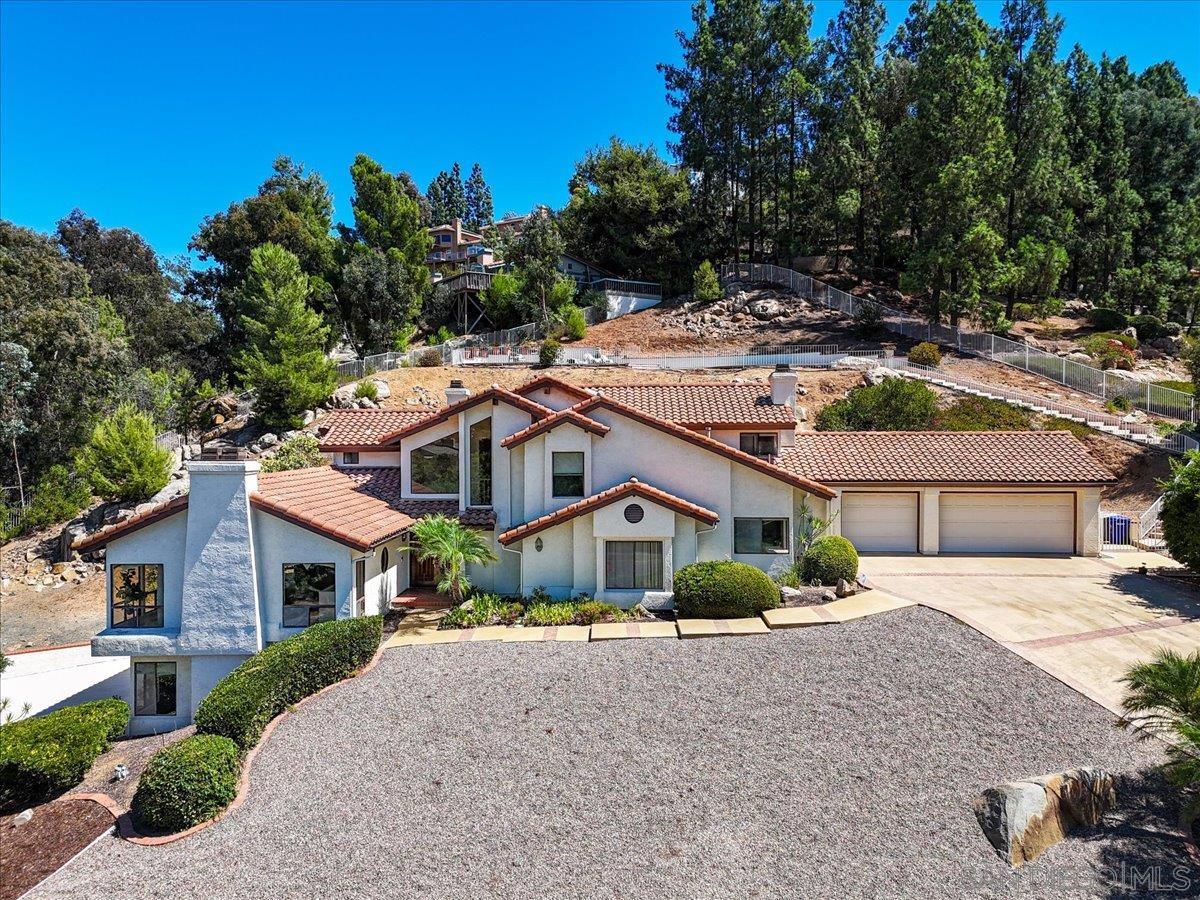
(382, 391)
(1170, 345)
(1022, 819)
(765, 310)
(1076, 309)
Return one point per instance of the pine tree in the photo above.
(284, 361)
(478, 201)
(455, 197)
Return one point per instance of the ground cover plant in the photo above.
(481, 610)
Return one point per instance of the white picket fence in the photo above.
(1078, 376)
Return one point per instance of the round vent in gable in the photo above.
(634, 513)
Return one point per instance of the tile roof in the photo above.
(448, 412)
(361, 429)
(562, 417)
(704, 405)
(632, 487)
(361, 507)
(549, 381)
(159, 511)
(943, 457)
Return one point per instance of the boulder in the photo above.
(765, 310)
(1130, 332)
(268, 440)
(844, 588)
(1076, 309)
(1022, 819)
(1169, 345)
(382, 391)
(309, 416)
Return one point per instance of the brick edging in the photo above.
(124, 819)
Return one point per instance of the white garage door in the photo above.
(1007, 523)
(880, 522)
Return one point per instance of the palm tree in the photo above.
(1164, 700)
(452, 546)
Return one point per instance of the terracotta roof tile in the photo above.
(704, 405)
(562, 417)
(159, 511)
(943, 457)
(632, 487)
(549, 381)
(447, 412)
(355, 429)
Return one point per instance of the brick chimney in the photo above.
(456, 392)
(783, 386)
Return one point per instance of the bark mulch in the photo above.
(38, 848)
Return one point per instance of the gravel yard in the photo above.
(836, 761)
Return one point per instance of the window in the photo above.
(760, 535)
(154, 689)
(760, 444)
(633, 565)
(350, 458)
(137, 596)
(308, 594)
(567, 478)
(481, 463)
(383, 560)
(435, 467)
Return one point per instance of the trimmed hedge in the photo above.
(188, 783)
(723, 589)
(46, 755)
(245, 700)
(828, 559)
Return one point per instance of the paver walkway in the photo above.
(1084, 621)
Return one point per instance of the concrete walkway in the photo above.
(1084, 621)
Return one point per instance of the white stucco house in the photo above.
(606, 491)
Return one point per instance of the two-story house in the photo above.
(456, 249)
(604, 490)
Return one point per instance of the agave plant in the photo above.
(1163, 700)
(452, 546)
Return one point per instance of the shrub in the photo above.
(1106, 319)
(706, 287)
(366, 389)
(1079, 429)
(1111, 351)
(46, 755)
(187, 783)
(893, 405)
(58, 496)
(1181, 510)
(829, 559)
(480, 610)
(1118, 404)
(551, 613)
(572, 322)
(868, 319)
(299, 452)
(723, 589)
(592, 611)
(1171, 329)
(549, 353)
(442, 336)
(1191, 359)
(1024, 312)
(122, 459)
(981, 414)
(925, 354)
(429, 358)
(1148, 327)
(244, 701)
(1163, 700)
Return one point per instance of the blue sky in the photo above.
(152, 115)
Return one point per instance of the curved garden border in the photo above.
(124, 819)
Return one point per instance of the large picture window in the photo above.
(435, 467)
(760, 535)
(567, 477)
(633, 565)
(481, 463)
(154, 689)
(308, 594)
(137, 596)
(760, 444)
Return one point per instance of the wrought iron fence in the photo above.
(1068, 372)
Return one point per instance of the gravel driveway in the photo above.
(837, 761)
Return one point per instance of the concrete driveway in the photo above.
(1085, 621)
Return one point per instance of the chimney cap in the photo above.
(456, 382)
(782, 367)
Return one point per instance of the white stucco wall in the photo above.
(759, 496)
(553, 567)
(381, 458)
(161, 543)
(64, 676)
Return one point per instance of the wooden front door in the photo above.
(422, 573)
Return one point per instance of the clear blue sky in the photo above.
(152, 115)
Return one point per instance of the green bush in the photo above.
(896, 404)
(829, 558)
(1079, 429)
(429, 358)
(244, 701)
(1181, 510)
(480, 610)
(706, 287)
(1024, 312)
(1148, 327)
(572, 322)
(366, 389)
(551, 613)
(299, 452)
(723, 589)
(1118, 404)
(549, 353)
(868, 319)
(46, 755)
(1111, 351)
(122, 459)
(1106, 319)
(187, 783)
(925, 354)
(981, 414)
(58, 496)
(592, 611)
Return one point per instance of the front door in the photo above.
(422, 572)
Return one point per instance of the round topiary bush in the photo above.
(925, 354)
(549, 353)
(187, 783)
(828, 559)
(723, 589)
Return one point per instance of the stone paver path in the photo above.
(697, 628)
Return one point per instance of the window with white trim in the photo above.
(764, 444)
(154, 689)
(136, 596)
(633, 565)
(760, 535)
(567, 474)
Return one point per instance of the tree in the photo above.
(1163, 701)
(122, 459)
(478, 199)
(192, 410)
(452, 546)
(536, 253)
(447, 198)
(705, 285)
(896, 404)
(628, 211)
(299, 452)
(16, 381)
(1181, 510)
(163, 328)
(284, 362)
(292, 209)
(502, 299)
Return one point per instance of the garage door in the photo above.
(1007, 523)
(880, 522)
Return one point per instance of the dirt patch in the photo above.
(133, 753)
(38, 848)
(1137, 469)
(64, 614)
